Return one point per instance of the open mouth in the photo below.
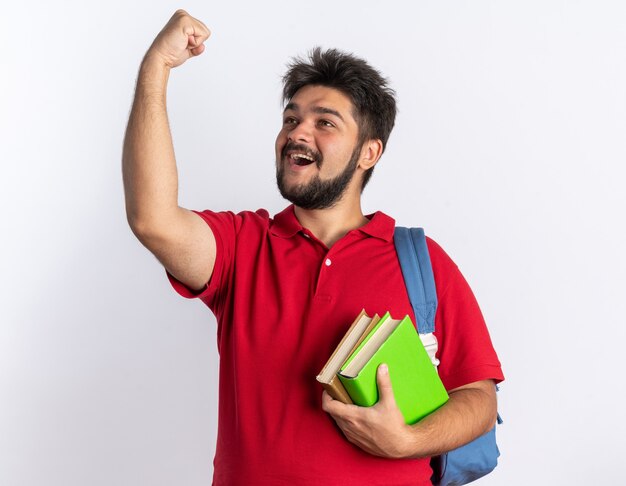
(301, 159)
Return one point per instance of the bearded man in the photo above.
(284, 289)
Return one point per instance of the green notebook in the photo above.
(416, 385)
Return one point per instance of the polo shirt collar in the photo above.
(380, 226)
(286, 225)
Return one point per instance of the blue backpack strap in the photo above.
(479, 457)
(418, 275)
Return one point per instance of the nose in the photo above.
(300, 133)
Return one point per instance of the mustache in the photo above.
(291, 146)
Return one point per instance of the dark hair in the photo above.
(374, 101)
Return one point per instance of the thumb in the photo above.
(385, 390)
(195, 45)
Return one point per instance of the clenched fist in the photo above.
(181, 38)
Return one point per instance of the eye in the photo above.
(326, 123)
(290, 120)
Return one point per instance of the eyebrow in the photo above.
(316, 109)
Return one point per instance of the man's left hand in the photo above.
(379, 429)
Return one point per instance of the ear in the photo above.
(370, 153)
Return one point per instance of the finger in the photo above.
(206, 29)
(196, 51)
(201, 29)
(328, 404)
(195, 46)
(197, 30)
(385, 390)
(336, 408)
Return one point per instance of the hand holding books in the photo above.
(379, 430)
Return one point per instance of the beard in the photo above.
(317, 193)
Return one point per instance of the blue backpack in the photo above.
(479, 457)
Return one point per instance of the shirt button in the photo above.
(328, 262)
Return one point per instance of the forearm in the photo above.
(469, 413)
(381, 430)
(148, 161)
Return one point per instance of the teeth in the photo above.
(302, 156)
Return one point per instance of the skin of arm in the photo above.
(380, 430)
(179, 238)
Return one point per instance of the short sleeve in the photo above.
(466, 352)
(225, 226)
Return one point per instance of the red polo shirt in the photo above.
(283, 300)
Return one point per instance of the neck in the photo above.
(331, 224)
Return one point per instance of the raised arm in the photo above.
(179, 238)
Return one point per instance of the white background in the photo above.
(508, 148)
